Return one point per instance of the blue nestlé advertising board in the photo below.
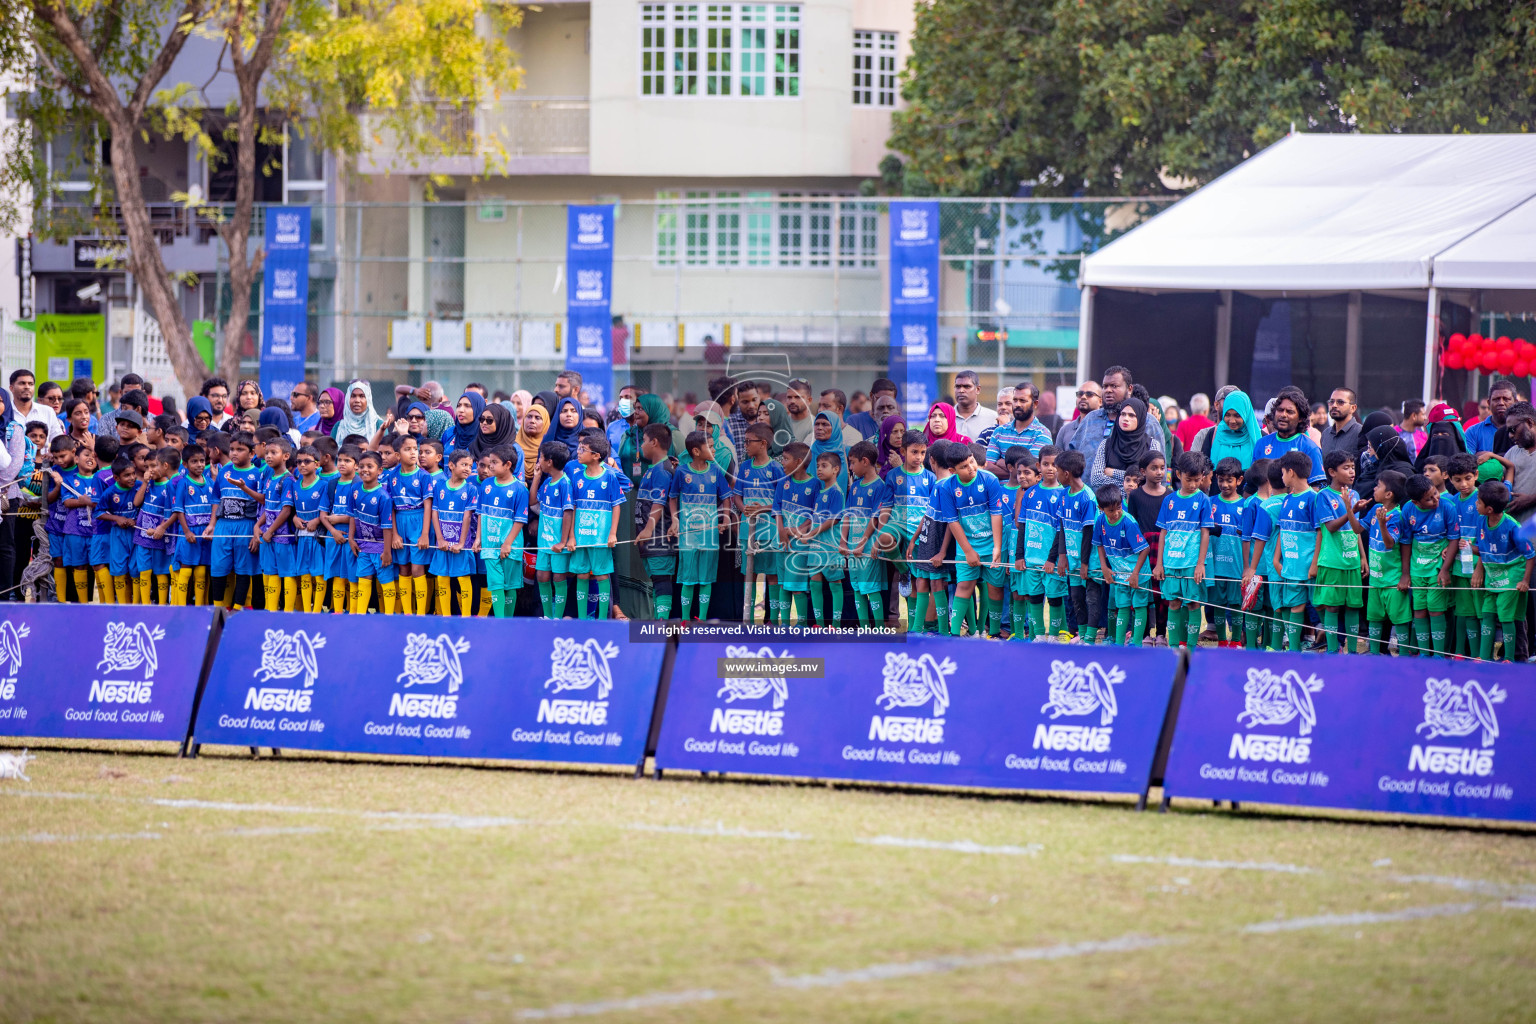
(932, 711)
(523, 689)
(101, 672)
(1404, 735)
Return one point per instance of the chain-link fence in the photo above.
(466, 289)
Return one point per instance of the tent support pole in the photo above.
(1431, 339)
(1085, 336)
(1224, 341)
(1352, 343)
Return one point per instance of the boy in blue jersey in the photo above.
(653, 522)
(232, 522)
(826, 565)
(700, 505)
(1432, 527)
(557, 527)
(1223, 580)
(909, 491)
(1340, 565)
(116, 510)
(503, 513)
(194, 507)
(862, 516)
(309, 501)
(278, 551)
(481, 477)
(372, 513)
(758, 481)
(101, 533)
(452, 523)
(1123, 566)
(794, 510)
(1185, 519)
(1503, 574)
(596, 492)
(63, 496)
(156, 502)
(1016, 464)
(930, 544)
(971, 505)
(1038, 524)
(341, 566)
(410, 487)
(1295, 545)
(1075, 519)
(1461, 472)
(429, 456)
(79, 523)
(1386, 606)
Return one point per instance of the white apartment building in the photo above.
(731, 136)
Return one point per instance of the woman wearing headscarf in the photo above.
(566, 433)
(1238, 431)
(648, 409)
(1445, 436)
(1366, 466)
(834, 444)
(359, 416)
(329, 405)
(548, 399)
(940, 424)
(521, 400)
(531, 431)
(496, 429)
(274, 416)
(415, 416)
(1391, 452)
(248, 396)
(17, 457)
(198, 409)
(466, 422)
(1128, 444)
(892, 436)
(439, 424)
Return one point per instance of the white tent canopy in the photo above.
(1325, 214)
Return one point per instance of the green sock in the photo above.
(1420, 634)
(1119, 625)
(1374, 630)
(1036, 619)
(1437, 633)
(1175, 627)
(994, 619)
(604, 597)
(1192, 625)
(547, 597)
(917, 612)
(1331, 627)
(705, 589)
(663, 606)
(941, 606)
(957, 615)
(837, 602)
(799, 606)
(876, 609)
(1293, 630)
(1508, 651)
(499, 600)
(684, 600)
(1471, 633)
(1485, 638)
(1277, 630)
(557, 599)
(1138, 626)
(1251, 626)
(817, 603)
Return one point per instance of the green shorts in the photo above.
(890, 533)
(1039, 583)
(553, 561)
(1179, 585)
(504, 573)
(1389, 604)
(795, 567)
(993, 576)
(867, 575)
(1287, 594)
(1464, 600)
(1122, 596)
(698, 567)
(764, 563)
(661, 565)
(1338, 588)
(1504, 605)
(592, 561)
(1225, 593)
(1427, 595)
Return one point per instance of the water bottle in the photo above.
(1466, 558)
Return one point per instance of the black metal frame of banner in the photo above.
(658, 708)
(1165, 739)
(215, 631)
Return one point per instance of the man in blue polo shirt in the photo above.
(1501, 395)
(1290, 412)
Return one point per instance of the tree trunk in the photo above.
(243, 268)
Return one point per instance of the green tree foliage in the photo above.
(1137, 97)
(95, 72)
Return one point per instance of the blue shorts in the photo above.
(120, 549)
(340, 563)
(279, 559)
(193, 554)
(101, 549)
(408, 526)
(446, 563)
(151, 560)
(369, 567)
(231, 555)
(593, 561)
(310, 560)
(75, 549)
(553, 561)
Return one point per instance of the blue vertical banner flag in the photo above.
(915, 304)
(284, 299)
(589, 297)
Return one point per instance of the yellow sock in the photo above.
(341, 592)
(164, 583)
(352, 596)
(82, 577)
(362, 590)
(406, 594)
(443, 607)
(419, 585)
(143, 589)
(317, 594)
(485, 602)
(229, 592)
(104, 585)
(466, 597)
(388, 592)
(121, 589)
(291, 594)
(272, 586)
(61, 582)
(181, 583)
(307, 593)
(200, 584)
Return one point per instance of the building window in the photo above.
(761, 229)
(723, 49)
(874, 69)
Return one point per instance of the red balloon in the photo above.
(1453, 361)
(1504, 341)
(1457, 340)
(1506, 361)
(1521, 341)
(1522, 370)
(1475, 338)
(1487, 360)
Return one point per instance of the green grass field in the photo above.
(141, 887)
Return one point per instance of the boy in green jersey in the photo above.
(1386, 606)
(1339, 564)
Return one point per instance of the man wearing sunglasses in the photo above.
(306, 414)
(1089, 397)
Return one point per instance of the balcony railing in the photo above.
(516, 126)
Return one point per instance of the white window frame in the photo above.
(727, 229)
(720, 50)
(874, 68)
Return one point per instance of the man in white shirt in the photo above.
(971, 417)
(797, 402)
(23, 384)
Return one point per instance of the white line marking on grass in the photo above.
(270, 831)
(564, 1010)
(718, 830)
(54, 837)
(1468, 885)
(1295, 924)
(961, 846)
(1217, 865)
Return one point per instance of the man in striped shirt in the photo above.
(1024, 430)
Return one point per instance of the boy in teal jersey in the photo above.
(156, 502)
(503, 511)
(1430, 520)
(909, 490)
(372, 514)
(1387, 607)
(862, 516)
(194, 506)
(930, 545)
(1038, 522)
(1015, 460)
(794, 510)
(1462, 473)
(309, 499)
(232, 525)
(1075, 517)
(699, 502)
(971, 504)
(410, 487)
(1184, 518)
(1503, 573)
(826, 565)
(63, 496)
(429, 456)
(758, 481)
(341, 568)
(597, 490)
(454, 502)
(653, 521)
(551, 495)
(1340, 563)
(1123, 564)
(1295, 544)
(1224, 571)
